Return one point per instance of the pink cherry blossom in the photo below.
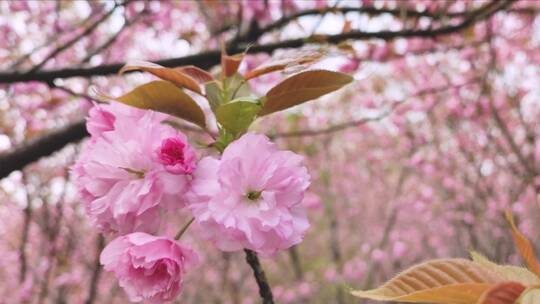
(252, 197)
(99, 120)
(177, 155)
(123, 183)
(149, 268)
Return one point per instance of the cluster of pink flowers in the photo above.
(135, 168)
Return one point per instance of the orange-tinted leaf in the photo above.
(457, 281)
(196, 73)
(508, 272)
(229, 63)
(175, 76)
(502, 293)
(523, 246)
(165, 97)
(530, 296)
(281, 64)
(302, 87)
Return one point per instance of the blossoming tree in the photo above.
(206, 145)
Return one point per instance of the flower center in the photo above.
(137, 173)
(172, 151)
(254, 195)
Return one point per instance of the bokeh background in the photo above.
(417, 159)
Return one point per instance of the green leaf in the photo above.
(234, 87)
(214, 94)
(302, 87)
(223, 140)
(238, 115)
(165, 97)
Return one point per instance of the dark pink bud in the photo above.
(177, 155)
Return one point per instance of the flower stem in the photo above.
(181, 231)
(264, 288)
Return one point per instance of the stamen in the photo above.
(139, 174)
(254, 195)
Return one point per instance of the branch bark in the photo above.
(92, 290)
(264, 288)
(20, 157)
(26, 229)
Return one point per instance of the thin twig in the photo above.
(49, 41)
(74, 40)
(361, 121)
(113, 38)
(181, 231)
(26, 229)
(92, 290)
(264, 288)
(296, 262)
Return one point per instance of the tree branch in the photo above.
(208, 59)
(50, 41)
(35, 149)
(74, 40)
(92, 290)
(371, 11)
(114, 37)
(25, 231)
(264, 288)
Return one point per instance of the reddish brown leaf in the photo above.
(302, 87)
(456, 281)
(502, 293)
(281, 64)
(196, 73)
(229, 63)
(175, 76)
(165, 97)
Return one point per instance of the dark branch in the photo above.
(264, 289)
(372, 11)
(43, 146)
(25, 231)
(208, 59)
